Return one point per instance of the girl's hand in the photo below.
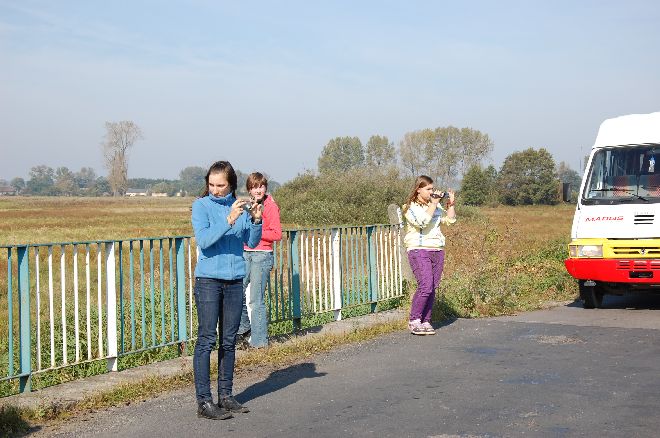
(451, 195)
(451, 212)
(256, 211)
(236, 211)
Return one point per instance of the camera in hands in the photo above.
(247, 203)
(439, 195)
(251, 202)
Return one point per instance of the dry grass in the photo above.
(504, 232)
(60, 219)
(506, 259)
(532, 226)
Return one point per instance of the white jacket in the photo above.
(422, 231)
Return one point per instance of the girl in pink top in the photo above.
(259, 262)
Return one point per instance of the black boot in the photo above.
(229, 403)
(207, 409)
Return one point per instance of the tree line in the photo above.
(525, 178)
(119, 138)
(454, 157)
(444, 153)
(61, 181)
(355, 182)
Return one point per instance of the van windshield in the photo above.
(624, 174)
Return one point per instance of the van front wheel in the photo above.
(592, 296)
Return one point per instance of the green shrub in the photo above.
(357, 197)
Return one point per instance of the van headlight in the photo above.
(585, 250)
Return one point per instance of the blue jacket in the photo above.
(221, 245)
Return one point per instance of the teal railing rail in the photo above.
(66, 304)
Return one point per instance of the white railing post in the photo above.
(51, 312)
(63, 307)
(111, 305)
(38, 306)
(335, 256)
(99, 296)
(76, 324)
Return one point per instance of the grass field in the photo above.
(499, 259)
(506, 259)
(60, 219)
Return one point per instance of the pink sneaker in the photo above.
(415, 327)
(428, 328)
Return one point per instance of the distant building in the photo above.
(136, 192)
(7, 191)
(159, 194)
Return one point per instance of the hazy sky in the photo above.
(267, 84)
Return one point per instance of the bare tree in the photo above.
(119, 137)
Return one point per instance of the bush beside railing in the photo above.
(114, 299)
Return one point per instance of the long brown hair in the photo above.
(226, 168)
(421, 181)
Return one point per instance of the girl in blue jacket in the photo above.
(222, 225)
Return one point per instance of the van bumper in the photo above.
(645, 271)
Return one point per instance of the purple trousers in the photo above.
(427, 267)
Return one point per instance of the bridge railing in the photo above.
(67, 304)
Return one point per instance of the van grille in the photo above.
(637, 265)
(650, 251)
(644, 219)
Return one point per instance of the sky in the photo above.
(266, 85)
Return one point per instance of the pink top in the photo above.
(271, 229)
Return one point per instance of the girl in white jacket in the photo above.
(425, 244)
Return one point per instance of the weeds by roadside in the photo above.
(506, 260)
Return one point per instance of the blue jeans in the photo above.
(216, 300)
(258, 265)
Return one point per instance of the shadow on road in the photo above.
(279, 379)
(443, 323)
(633, 301)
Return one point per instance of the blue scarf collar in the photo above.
(223, 200)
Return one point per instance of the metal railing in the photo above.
(66, 304)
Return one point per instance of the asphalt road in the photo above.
(560, 372)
